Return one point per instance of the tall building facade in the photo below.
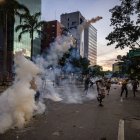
(51, 30)
(90, 44)
(87, 39)
(6, 42)
(34, 6)
(72, 21)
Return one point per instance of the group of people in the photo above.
(103, 87)
(135, 85)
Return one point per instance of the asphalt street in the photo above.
(84, 121)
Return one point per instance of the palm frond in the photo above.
(22, 27)
(37, 15)
(39, 24)
(25, 17)
(21, 33)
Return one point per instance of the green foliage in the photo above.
(77, 62)
(130, 65)
(62, 61)
(96, 70)
(125, 21)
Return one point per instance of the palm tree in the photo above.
(29, 24)
(8, 10)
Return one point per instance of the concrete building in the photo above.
(71, 21)
(90, 44)
(87, 39)
(34, 6)
(51, 30)
(117, 67)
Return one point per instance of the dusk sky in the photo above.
(106, 55)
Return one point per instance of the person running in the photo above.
(135, 84)
(101, 91)
(108, 86)
(124, 88)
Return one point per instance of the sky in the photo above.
(106, 55)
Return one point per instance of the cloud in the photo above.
(107, 56)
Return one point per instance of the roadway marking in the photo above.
(121, 130)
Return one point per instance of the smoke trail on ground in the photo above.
(17, 103)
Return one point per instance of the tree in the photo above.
(29, 24)
(77, 62)
(96, 70)
(8, 10)
(126, 24)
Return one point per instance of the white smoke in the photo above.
(58, 48)
(17, 103)
(87, 23)
(71, 93)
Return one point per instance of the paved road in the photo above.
(85, 121)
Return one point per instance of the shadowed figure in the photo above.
(86, 84)
(101, 91)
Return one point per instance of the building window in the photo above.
(68, 19)
(81, 20)
(53, 25)
(74, 23)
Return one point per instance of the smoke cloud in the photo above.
(87, 23)
(17, 103)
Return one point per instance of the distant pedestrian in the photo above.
(86, 84)
(124, 88)
(135, 84)
(108, 86)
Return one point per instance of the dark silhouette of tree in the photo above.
(96, 70)
(125, 21)
(70, 57)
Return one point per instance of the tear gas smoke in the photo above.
(53, 76)
(57, 49)
(17, 103)
(86, 23)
